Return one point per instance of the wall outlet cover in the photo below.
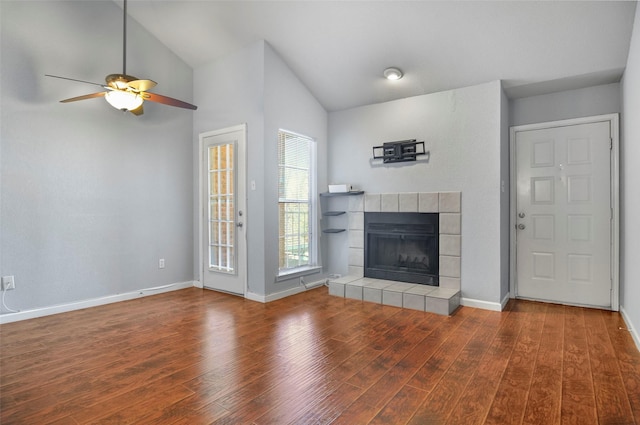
(8, 283)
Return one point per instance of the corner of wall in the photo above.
(630, 202)
(505, 243)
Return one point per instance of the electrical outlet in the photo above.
(161, 263)
(8, 283)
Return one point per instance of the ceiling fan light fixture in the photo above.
(126, 92)
(124, 100)
(392, 73)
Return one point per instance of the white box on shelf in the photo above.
(339, 188)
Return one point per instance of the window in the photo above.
(295, 201)
(221, 208)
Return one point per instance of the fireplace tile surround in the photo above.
(443, 299)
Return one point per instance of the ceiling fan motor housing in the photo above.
(119, 81)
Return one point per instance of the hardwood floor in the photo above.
(201, 357)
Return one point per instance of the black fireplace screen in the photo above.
(402, 247)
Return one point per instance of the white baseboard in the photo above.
(315, 284)
(275, 296)
(634, 331)
(505, 300)
(485, 305)
(283, 294)
(94, 302)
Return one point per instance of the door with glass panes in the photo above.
(224, 263)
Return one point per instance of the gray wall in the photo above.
(630, 177)
(463, 134)
(590, 101)
(230, 92)
(91, 198)
(256, 87)
(289, 106)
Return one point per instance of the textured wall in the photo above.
(91, 197)
(462, 133)
(590, 101)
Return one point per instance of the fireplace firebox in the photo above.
(401, 247)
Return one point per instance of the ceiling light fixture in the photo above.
(392, 74)
(124, 100)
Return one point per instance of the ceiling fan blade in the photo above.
(153, 97)
(86, 96)
(73, 79)
(138, 111)
(142, 85)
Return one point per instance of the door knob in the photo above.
(239, 224)
(521, 226)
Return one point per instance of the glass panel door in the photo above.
(222, 225)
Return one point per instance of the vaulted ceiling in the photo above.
(339, 49)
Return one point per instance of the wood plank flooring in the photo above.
(201, 357)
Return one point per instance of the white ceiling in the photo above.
(339, 49)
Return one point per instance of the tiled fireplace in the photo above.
(442, 299)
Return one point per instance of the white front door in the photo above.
(223, 183)
(564, 214)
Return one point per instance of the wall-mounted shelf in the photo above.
(331, 198)
(333, 213)
(352, 193)
(333, 230)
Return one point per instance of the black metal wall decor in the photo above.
(400, 151)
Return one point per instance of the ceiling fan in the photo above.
(126, 92)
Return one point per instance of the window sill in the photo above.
(300, 271)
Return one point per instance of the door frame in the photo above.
(201, 204)
(614, 125)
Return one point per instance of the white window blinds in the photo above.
(294, 200)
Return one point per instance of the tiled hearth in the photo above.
(441, 300)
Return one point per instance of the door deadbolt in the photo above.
(521, 215)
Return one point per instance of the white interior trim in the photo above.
(274, 296)
(632, 330)
(613, 119)
(484, 305)
(286, 293)
(504, 301)
(93, 302)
